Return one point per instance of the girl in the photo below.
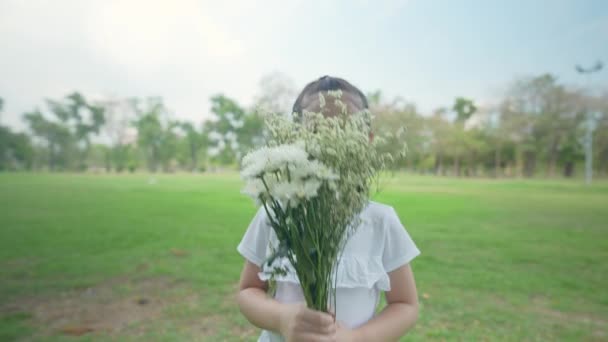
(375, 258)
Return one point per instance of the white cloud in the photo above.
(184, 50)
(188, 50)
(151, 34)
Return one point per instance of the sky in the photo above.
(426, 51)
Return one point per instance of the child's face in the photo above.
(352, 101)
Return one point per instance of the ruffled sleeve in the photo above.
(399, 248)
(254, 244)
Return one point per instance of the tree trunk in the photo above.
(439, 164)
(51, 157)
(83, 156)
(497, 168)
(603, 162)
(194, 163)
(152, 160)
(552, 160)
(530, 164)
(457, 166)
(472, 164)
(108, 160)
(193, 159)
(519, 163)
(569, 169)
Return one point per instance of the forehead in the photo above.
(353, 103)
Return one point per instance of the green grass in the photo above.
(501, 260)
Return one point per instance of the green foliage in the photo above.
(544, 119)
(123, 157)
(464, 108)
(394, 124)
(83, 118)
(16, 151)
(156, 135)
(192, 147)
(537, 129)
(67, 137)
(57, 138)
(232, 131)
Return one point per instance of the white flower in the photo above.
(314, 149)
(271, 159)
(331, 151)
(309, 189)
(284, 191)
(298, 168)
(400, 131)
(253, 188)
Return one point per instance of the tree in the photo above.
(456, 141)
(68, 130)
(232, 132)
(16, 152)
(82, 118)
(123, 157)
(459, 141)
(400, 125)
(464, 108)
(438, 136)
(558, 114)
(498, 138)
(195, 143)
(542, 118)
(151, 135)
(120, 114)
(600, 137)
(56, 137)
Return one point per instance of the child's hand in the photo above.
(300, 323)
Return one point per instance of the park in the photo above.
(141, 257)
(201, 170)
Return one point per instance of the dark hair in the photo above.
(327, 83)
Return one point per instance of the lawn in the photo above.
(152, 258)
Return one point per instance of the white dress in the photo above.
(379, 245)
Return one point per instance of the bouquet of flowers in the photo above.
(313, 178)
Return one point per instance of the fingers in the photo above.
(315, 322)
(316, 338)
(318, 321)
(316, 317)
(316, 329)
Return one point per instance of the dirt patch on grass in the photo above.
(139, 308)
(596, 325)
(541, 305)
(109, 307)
(112, 307)
(578, 317)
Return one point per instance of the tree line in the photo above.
(536, 129)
